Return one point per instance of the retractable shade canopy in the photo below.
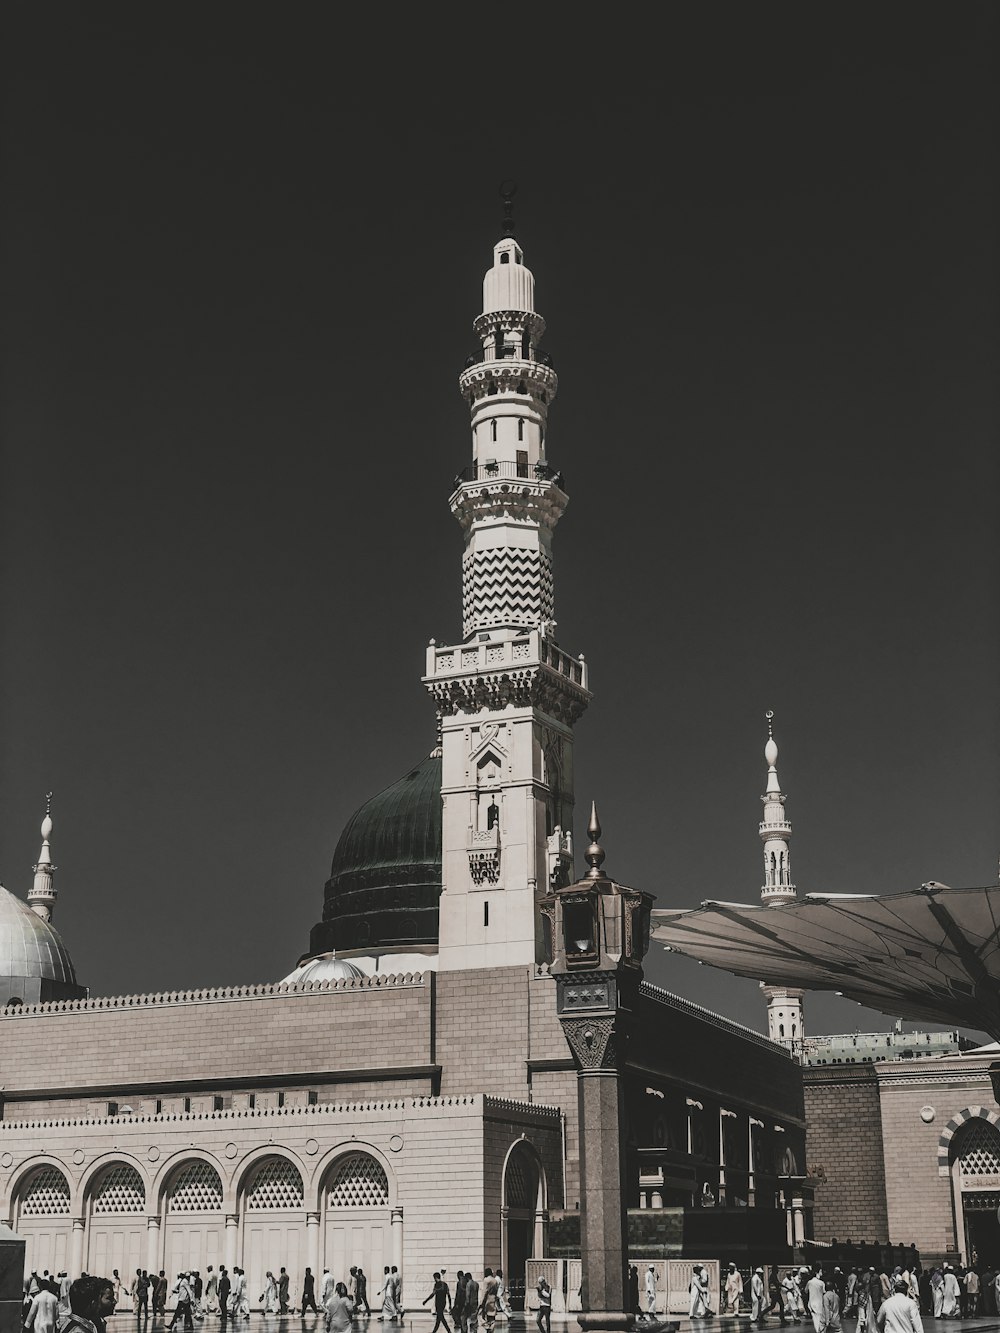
(931, 954)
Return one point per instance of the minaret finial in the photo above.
(775, 830)
(508, 189)
(595, 852)
(42, 897)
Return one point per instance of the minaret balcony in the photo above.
(525, 670)
(782, 830)
(484, 840)
(502, 467)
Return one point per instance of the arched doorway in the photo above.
(117, 1222)
(356, 1216)
(194, 1226)
(41, 1216)
(975, 1165)
(523, 1213)
(273, 1224)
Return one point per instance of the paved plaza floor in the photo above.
(421, 1320)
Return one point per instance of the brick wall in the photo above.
(844, 1142)
(89, 1048)
(918, 1197)
(482, 1031)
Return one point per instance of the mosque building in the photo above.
(406, 1094)
(903, 1129)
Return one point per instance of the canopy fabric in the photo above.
(931, 954)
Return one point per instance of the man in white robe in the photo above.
(952, 1293)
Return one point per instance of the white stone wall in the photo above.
(431, 1150)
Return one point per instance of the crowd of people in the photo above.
(876, 1299)
(52, 1304)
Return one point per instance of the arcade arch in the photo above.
(192, 1218)
(974, 1153)
(522, 1212)
(41, 1213)
(272, 1221)
(355, 1216)
(115, 1211)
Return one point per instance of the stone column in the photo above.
(312, 1244)
(603, 1183)
(798, 1221)
(540, 1240)
(396, 1246)
(232, 1237)
(76, 1247)
(153, 1245)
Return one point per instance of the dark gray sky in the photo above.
(242, 250)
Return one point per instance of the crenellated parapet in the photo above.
(214, 994)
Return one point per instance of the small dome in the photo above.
(771, 752)
(385, 881)
(34, 964)
(323, 968)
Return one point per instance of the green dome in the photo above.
(385, 881)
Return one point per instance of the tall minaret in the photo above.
(775, 830)
(785, 1010)
(507, 695)
(42, 897)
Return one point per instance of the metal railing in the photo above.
(489, 471)
(511, 352)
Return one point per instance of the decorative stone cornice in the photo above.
(212, 994)
(524, 500)
(506, 376)
(486, 1104)
(530, 687)
(507, 321)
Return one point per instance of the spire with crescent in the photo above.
(775, 830)
(42, 898)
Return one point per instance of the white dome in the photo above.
(323, 968)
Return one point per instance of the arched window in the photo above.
(358, 1181)
(276, 1184)
(505, 258)
(120, 1190)
(196, 1188)
(520, 428)
(46, 1194)
(493, 429)
(976, 1147)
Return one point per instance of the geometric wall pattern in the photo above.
(47, 1194)
(506, 585)
(276, 1184)
(359, 1182)
(196, 1189)
(978, 1149)
(121, 1191)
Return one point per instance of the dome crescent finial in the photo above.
(508, 189)
(46, 828)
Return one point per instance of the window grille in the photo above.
(521, 1184)
(47, 1194)
(977, 1148)
(196, 1189)
(276, 1184)
(121, 1191)
(359, 1182)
